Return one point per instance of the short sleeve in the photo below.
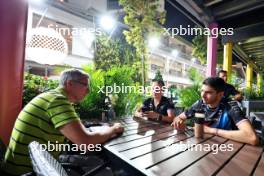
(146, 103)
(170, 105)
(231, 90)
(190, 112)
(61, 112)
(236, 114)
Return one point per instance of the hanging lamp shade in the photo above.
(46, 46)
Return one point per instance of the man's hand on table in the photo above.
(118, 128)
(209, 130)
(151, 114)
(139, 114)
(178, 123)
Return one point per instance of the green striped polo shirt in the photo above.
(40, 121)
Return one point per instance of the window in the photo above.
(113, 5)
(154, 67)
(175, 73)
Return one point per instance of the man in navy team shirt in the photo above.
(223, 118)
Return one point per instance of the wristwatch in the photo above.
(159, 118)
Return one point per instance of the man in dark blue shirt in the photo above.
(229, 89)
(227, 115)
(157, 107)
(223, 118)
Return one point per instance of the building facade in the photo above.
(173, 57)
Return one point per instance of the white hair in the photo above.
(72, 74)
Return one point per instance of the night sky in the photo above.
(174, 18)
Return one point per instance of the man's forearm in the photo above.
(100, 137)
(167, 118)
(182, 116)
(78, 134)
(237, 135)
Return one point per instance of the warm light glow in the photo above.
(175, 53)
(46, 46)
(107, 22)
(36, 1)
(153, 42)
(194, 59)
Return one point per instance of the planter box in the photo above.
(253, 106)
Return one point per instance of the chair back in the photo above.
(43, 162)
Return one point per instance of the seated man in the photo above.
(229, 89)
(157, 107)
(51, 118)
(223, 118)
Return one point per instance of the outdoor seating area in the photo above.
(45, 164)
(148, 148)
(131, 87)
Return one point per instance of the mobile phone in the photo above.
(144, 109)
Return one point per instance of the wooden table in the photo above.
(150, 148)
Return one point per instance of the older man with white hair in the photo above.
(51, 118)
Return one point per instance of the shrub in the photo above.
(189, 95)
(253, 95)
(93, 104)
(34, 85)
(123, 103)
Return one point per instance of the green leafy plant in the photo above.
(143, 18)
(118, 76)
(158, 76)
(195, 76)
(253, 95)
(107, 53)
(200, 48)
(112, 52)
(189, 95)
(235, 80)
(34, 85)
(199, 51)
(124, 103)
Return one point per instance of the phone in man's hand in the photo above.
(144, 109)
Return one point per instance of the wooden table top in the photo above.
(151, 148)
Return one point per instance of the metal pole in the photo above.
(143, 72)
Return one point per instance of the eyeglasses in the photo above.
(83, 84)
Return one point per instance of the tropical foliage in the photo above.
(113, 83)
(189, 95)
(200, 49)
(34, 85)
(143, 18)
